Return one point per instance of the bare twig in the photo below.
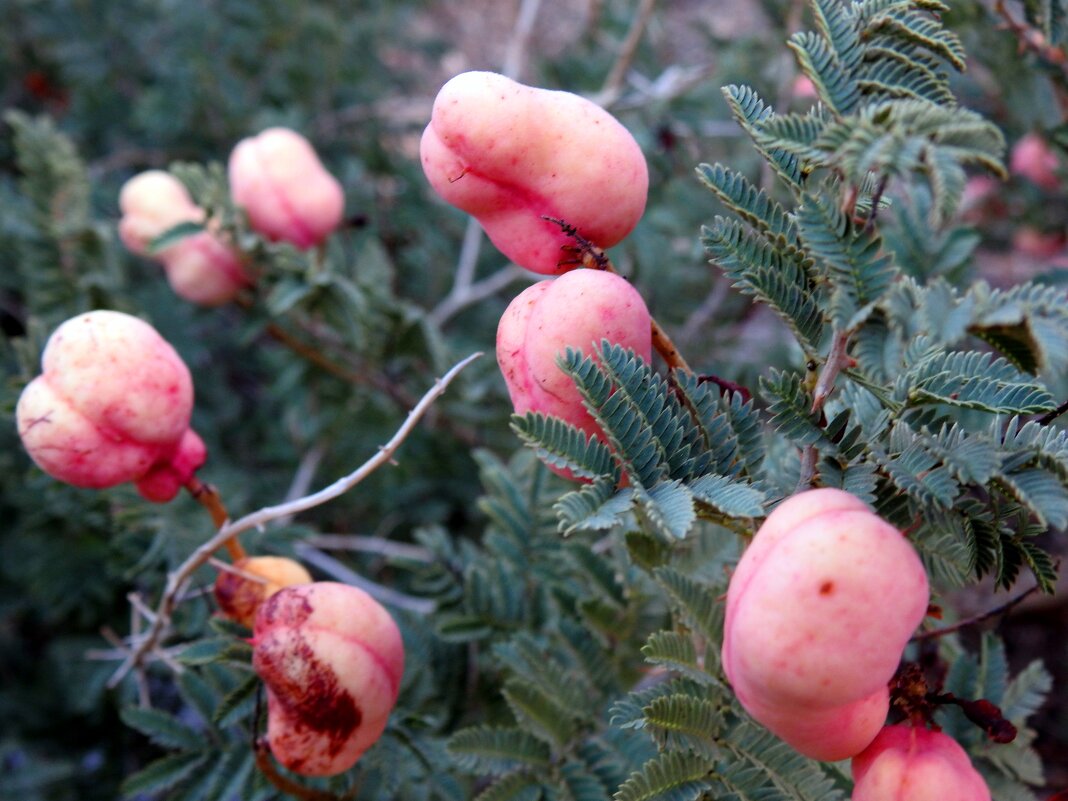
(176, 581)
(376, 545)
(837, 359)
(386, 595)
(516, 56)
(1035, 42)
(1050, 416)
(973, 620)
(302, 479)
(613, 84)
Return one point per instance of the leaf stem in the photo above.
(837, 359)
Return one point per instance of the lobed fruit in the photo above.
(112, 405)
(510, 154)
(911, 764)
(200, 268)
(819, 610)
(576, 310)
(1034, 159)
(240, 596)
(285, 190)
(332, 660)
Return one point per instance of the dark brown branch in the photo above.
(1049, 417)
(975, 619)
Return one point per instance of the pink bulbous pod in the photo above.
(904, 763)
(200, 268)
(278, 179)
(510, 155)
(332, 660)
(819, 610)
(576, 310)
(1034, 159)
(111, 405)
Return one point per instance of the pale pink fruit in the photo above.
(277, 178)
(576, 310)
(803, 89)
(332, 660)
(909, 764)
(819, 610)
(112, 405)
(200, 268)
(510, 154)
(255, 579)
(1034, 159)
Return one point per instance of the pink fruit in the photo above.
(1033, 158)
(332, 660)
(819, 610)
(200, 268)
(908, 764)
(253, 581)
(803, 89)
(509, 154)
(112, 405)
(289, 196)
(576, 310)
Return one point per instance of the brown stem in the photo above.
(590, 256)
(1035, 42)
(971, 621)
(208, 497)
(1050, 416)
(284, 783)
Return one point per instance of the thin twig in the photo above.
(385, 595)
(837, 359)
(1035, 41)
(1050, 416)
(971, 621)
(180, 576)
(376, 545)
(302, 479)
(613, 83)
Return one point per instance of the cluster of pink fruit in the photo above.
(519, 158)
(113, 405)
(276, 177)
(826, 597)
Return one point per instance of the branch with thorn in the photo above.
(146, 645)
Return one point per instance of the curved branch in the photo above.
(180, 576)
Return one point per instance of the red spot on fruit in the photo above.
(827, 588)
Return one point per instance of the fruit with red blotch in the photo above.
(332, 660)
(819, 610)
(252, 581)
(913, 764)
(278, 179)
(112, 405)
(576, 310)
(1034, 159)
(510, 154)
(200, 268)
